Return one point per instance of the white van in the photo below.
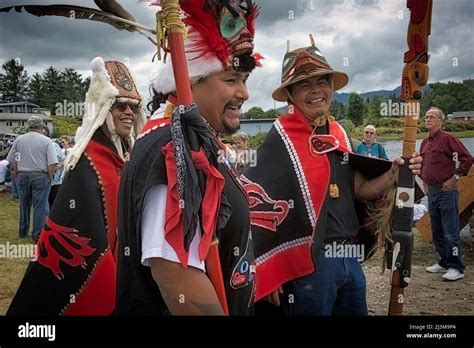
(8, 139)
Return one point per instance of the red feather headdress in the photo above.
(207, 50)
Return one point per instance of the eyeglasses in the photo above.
(122, 107)
(367, 132)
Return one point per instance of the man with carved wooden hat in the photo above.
(74, 273)
(303, 205)
(305, 63)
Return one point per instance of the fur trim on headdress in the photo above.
(99, 99)
(197, 67)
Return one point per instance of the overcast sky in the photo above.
(364, 38)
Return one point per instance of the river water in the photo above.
(394, 148)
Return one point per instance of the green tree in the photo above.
(356, 109)
(273, 113)
(35, 90)
(73, 90)
(13, 82)
(448, 103)
(255, 112)
(467, 96)
(337, 109)
(373, 109)
(426, 103)
(53, 89)
(450, 97)
(84, 87)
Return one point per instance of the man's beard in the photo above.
(227, 129)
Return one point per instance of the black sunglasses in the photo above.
(367, 132)
(122, 107)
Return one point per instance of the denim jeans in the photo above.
(34, 190)
(15, 189)
(337, 287)
(444, 216)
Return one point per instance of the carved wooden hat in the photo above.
(304, 63)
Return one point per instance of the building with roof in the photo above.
(255, 126)
(461, 116)
(14, 117)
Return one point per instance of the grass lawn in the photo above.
(11, 269)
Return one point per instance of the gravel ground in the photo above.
(427, 294)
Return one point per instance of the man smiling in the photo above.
(75, 269)
(167, 220)
(303, 205)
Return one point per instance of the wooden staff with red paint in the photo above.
(415, 75)
(185, 97)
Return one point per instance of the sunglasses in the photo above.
(122, 107)
(367, 132)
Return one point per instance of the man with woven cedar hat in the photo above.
(166, 221)
(74, 273)
(303, 206)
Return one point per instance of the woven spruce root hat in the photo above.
(304, 63)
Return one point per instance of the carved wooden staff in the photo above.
(414, 76)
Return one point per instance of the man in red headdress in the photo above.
(167, 221)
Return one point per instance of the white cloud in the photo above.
(364, 38)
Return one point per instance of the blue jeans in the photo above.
(15, 189)
(34, 189)
(337, 287)
(444, 216)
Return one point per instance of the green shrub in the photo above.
(64, 125)
(389, 131)
(256, 140)
(393, 122)
(458, 126)
(347, 124)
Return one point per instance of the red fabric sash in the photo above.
(215, 183)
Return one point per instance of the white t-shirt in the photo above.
(33, 152)
(154, 243)
(3, 169)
